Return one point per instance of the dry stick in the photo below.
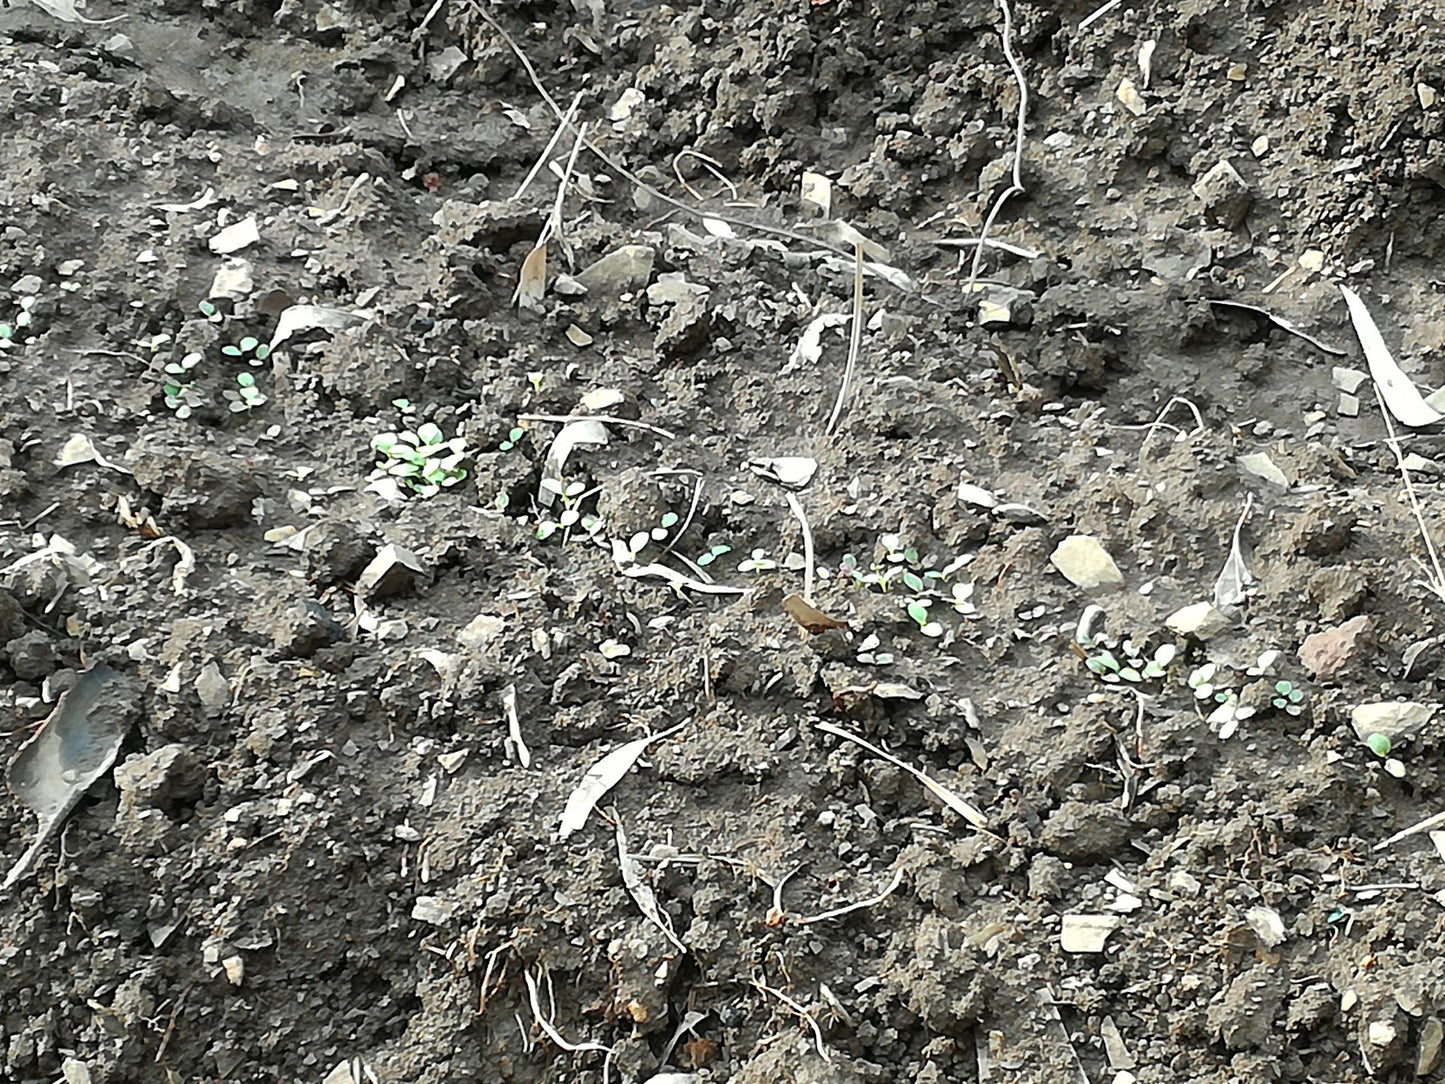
(541, 161)
(804, 1013)
(1099, 14)
(1437, 587)
(797, 508)
(1405, 833)
(1017, 187)
(855, 341)
(618, 168)
(860, 905)
(553, 225)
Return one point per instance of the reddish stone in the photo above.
(1329, 653)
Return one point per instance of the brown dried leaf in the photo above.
(532, 283)
(809, 616)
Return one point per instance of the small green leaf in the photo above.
(918, 612)
(706, 559)
(1283, 687)
(546, 530)
(913, 582)
(207, 309)
(246, 380)
(171, 390)
(1295, 696)
(430, 433)
(932, 628)
(1379, 744)
(248, 343)
(501, 501)
(404, 470)
(231, 351)
(1128, 673)
(263, 352)
(669, 519)
(6, 331)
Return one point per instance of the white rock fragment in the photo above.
(1085, 563)
(1087, 933)
(235, 237)
(481, 630)
(1262, 466)
(1347, 380)
(75, 1071)
(1267, 925)
(432, 910)
(213, 690)
(1199, 620)
(235, 970)
(1392, 718)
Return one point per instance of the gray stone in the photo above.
(624, 270)
(392, 571)
(1225, 194)
(168, 777)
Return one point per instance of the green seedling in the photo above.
(179, 396)
(23, 320)
(211, 313)
(757, 561)
(246, 396)
(712, 555)
(250, 348)
(1135, 667)
(572, 516)
(918, 611)
(512, 439)
(1379, 744)
(406, 406)
(423, 461)
(1287, 697)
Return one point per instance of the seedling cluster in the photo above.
(19, 327)
(422, 460)
(922, 587)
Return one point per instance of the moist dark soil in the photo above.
(331, 848)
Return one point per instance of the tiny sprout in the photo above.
(1379, 744)
(512, 439)
(535, 379)
(918, 610)
(1287, 697)
(913, 582)
(210, 312)
(712, 555)
(758, 561)
(546, 529)
(501, 501)
(403, 405)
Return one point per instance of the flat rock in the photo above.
(481, 630)
(1085, 831)
(392, 571)
(1199, 620)
(213, 690)
(1087, 933)
(623, 270)
(1329, 653)
(1085, 563)
(167, 777)
(1224, 194)
(1396, 719)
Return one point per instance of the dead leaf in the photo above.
(640, 891)
(967, 810)
(809, 616)
(305, 317)
(532, 283)
(1235, 577)
(65, 11)
(1398, 391)
(602, 777)
(74, 747)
